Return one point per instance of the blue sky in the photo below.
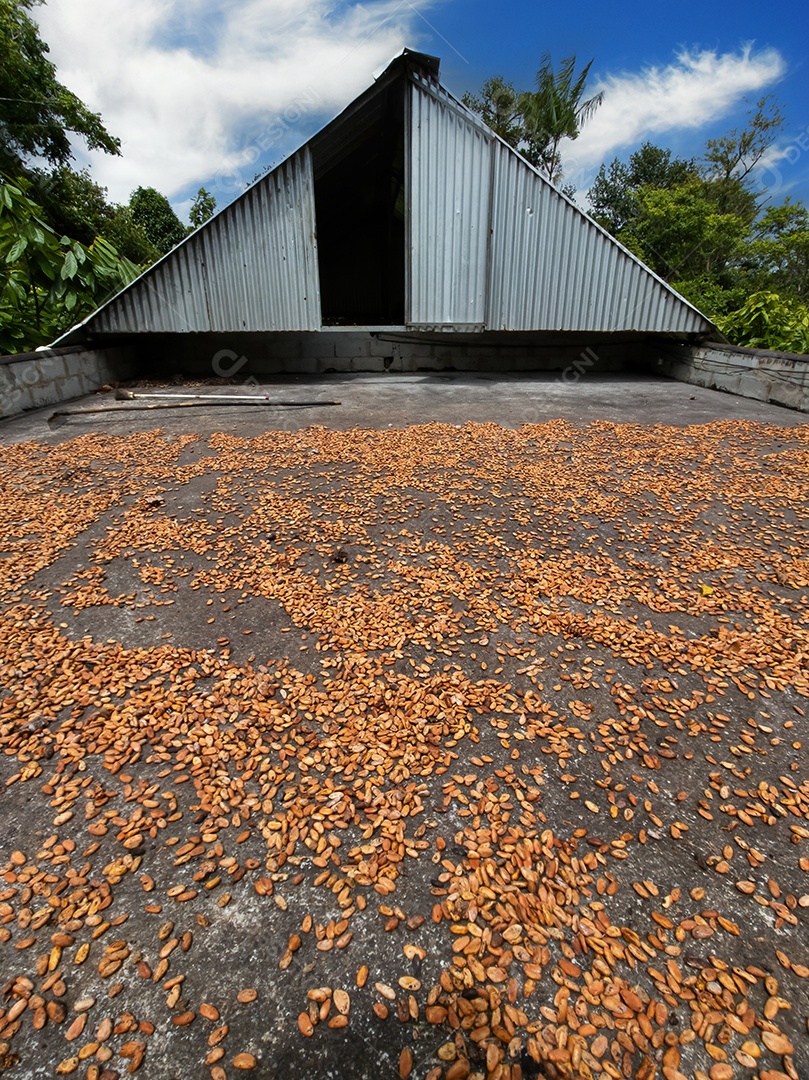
(208, 92)
(632, 37)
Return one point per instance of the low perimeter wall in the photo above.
(46, 377)
(779, 378)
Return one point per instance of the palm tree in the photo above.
(555, 111)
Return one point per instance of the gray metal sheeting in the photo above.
(552, 268)
(495, 246)
(252, 267)
(450, 184)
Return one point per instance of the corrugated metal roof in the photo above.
(449, 216)
(548, 266)
(552, 268)
(252, 267)
(269, 248)
(491, 243)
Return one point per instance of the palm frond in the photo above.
(587, 110)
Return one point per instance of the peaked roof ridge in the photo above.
(254, 235)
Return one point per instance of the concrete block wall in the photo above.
(38, 379)
(50, 376)
(777, 378)
(328, 352)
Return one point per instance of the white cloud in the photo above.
(188, 85)
(202, 89)
(696, 90)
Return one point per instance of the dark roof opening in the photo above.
(360, 213)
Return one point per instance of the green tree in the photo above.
(681, 232)
(37, 112)
(557, 110)
(730, 159)
(73, 204)
(202, 208)
(48, 282)
(153, 212)
(779, 252)
(128, 236)
(56, 262)
(535, 122)
(699, 224)
(613, 196)
(497, 104)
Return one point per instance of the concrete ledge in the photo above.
(37, 354)
(773, 377)
(48, 377)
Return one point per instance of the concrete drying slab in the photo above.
(369, 751)
(394, 400)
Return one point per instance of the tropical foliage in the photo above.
(769, 321)
(556, 111)
(38, 113)
(153, 213)
(202, 208)
(48, 281)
